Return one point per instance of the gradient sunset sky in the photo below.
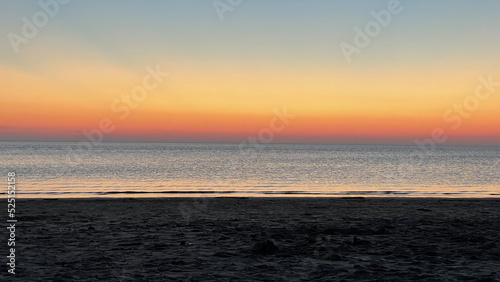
(227, 76)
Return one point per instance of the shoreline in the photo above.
(214, 195)
(111, 198)
(264, 239)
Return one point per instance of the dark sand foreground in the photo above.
(257, 239)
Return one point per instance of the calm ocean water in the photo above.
(60, 169)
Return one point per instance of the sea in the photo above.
(125, 169)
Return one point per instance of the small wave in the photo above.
(256, 193)
(220, 192)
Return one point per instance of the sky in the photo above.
(271, 71)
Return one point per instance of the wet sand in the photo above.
(257, 239)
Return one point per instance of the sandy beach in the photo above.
(257, 239)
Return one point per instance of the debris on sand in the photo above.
(357, 241)
(265, 248)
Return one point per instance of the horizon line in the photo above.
(236, 142)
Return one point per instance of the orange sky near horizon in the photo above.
(227, 77)
(230, 105)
